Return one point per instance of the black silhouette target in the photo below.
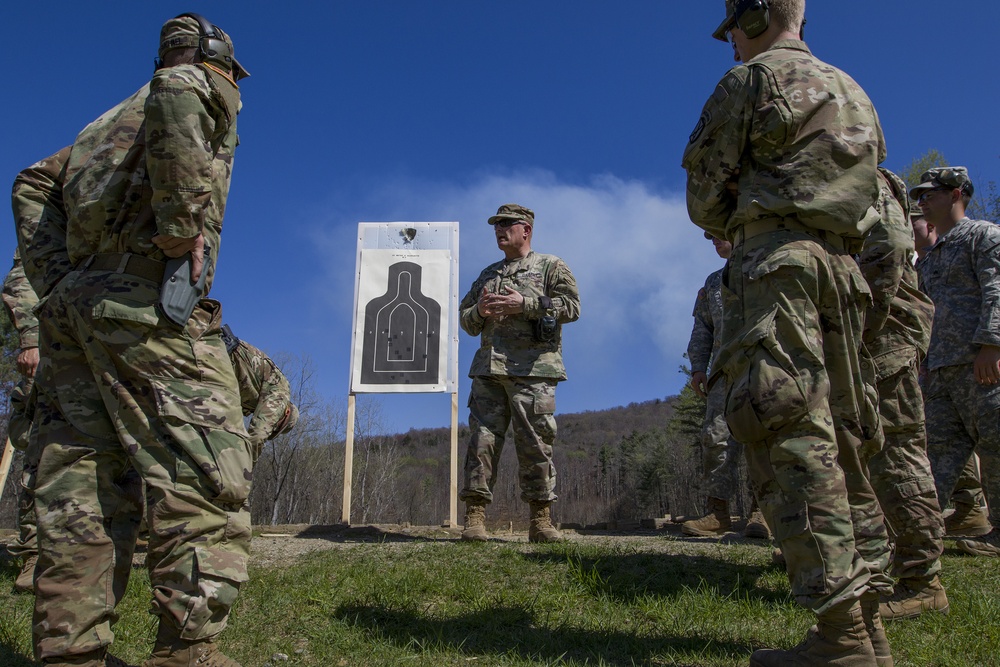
(402, 333)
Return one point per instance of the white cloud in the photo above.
(637, 258)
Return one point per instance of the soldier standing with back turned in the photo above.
(517, 307)
(127, 393)
(783, 162)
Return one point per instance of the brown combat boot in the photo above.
(541, 528)
(875, 629)
(713, 524)
(839, 639)
(967, 521)
(25, 582)
(988, 545)
(913, 597)
(475, 522)
(756, 526)
(172, 651)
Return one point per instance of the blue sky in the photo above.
(384, 110)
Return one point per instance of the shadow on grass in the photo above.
(9, 657)
(625, 577)
(373, 533)
(516, 630)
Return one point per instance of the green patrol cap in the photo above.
(513, 212)
(728, 23)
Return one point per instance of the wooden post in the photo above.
(8, 456)
(453, 516)
(348, 460)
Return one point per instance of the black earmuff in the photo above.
(752, 17)
(211, 47)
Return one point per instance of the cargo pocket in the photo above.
(218, 576)
(764, 391)
(203, 422)
(544, 402)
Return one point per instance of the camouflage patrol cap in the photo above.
(728, 23)
(178, 33)
(513, 212)
(943, 178)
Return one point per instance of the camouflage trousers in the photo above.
(22, 413)
(901, 472)
(125, 397)
(963, 417)
(496, 402)
(793, 307)
(969, 489)
(720, 452)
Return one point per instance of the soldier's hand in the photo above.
(178, 246)
(27, 361)
(508, 302)
(699, 382)
(987, 365)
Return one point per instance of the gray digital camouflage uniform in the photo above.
(801, 141)
(961, 274)
(514, 375)
(897, 332)
(124, 396)
(721, 453)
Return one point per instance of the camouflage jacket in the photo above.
(707, 313)
(507, 344)
(20, 300)
(961, 275)
(800, 138)
(158, 163)
(264, 389)
(900, 315)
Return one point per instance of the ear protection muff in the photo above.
(211, 47)
(752, 17)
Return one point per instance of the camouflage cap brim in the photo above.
(917, 190)
(724, 27)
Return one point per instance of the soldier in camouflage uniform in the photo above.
(783, 162)
(264, 392)
(970, 517)
(897, 332)
(20, 299)
(721, 453)
(961, 274)
(517, 306)
(125, 396)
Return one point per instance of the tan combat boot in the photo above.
(875, 629)
(839, 639)
(988, 545)
(913, 597)
(475, 522)
(541, 528)
(967, 521)
(25, 582)
(756, 526)
(713, 524)
(172, 651)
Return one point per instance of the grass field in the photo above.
(595, 600)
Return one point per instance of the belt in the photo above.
(127, 263)
(776, 224)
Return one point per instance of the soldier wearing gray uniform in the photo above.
(783, 162)
(517, 307)
(961, 274)
(970, 516)
(131, 391)
(720, 452)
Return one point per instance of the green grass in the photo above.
(431, 603)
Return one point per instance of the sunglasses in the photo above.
(504, 223)
(927, 193)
